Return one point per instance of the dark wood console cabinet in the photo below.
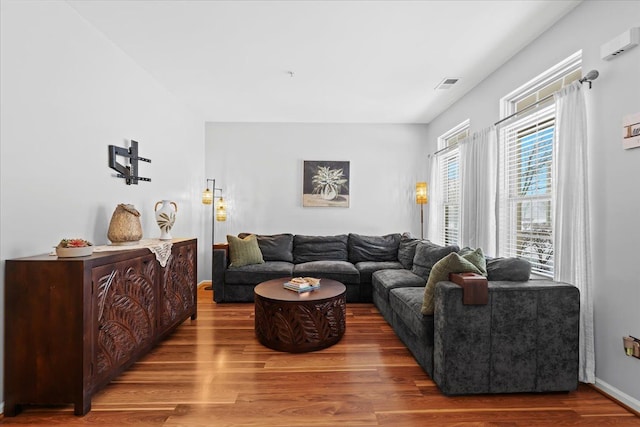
(74, 324)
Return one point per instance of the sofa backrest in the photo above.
(320, 248)
(427, 255)
(274, 247)
(407, 250)
(373, 248)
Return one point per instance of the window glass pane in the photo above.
(572, 77)
(526, 102)
(549, 89)
(534, 175)
(451, 141)
(462, 135)
(534, 234)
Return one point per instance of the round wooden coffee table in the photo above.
(288, 321)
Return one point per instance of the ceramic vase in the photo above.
(125, 227)
(165, 217)
(328, 193)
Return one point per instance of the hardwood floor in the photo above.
(213, 372)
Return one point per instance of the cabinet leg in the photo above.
(81, 408)
(10, 409)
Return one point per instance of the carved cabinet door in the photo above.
(125, 300)
(177, 286)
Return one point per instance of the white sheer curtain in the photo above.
(572, 241)
(435, 202)
(478, 187)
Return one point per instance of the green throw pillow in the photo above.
(244, 251)
(452, 263)
(476, 257)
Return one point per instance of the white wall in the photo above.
(259, 168)
(615, 198)
(66, 94)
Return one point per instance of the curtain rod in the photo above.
(523, 110)
(449, 147)
(588, 78)
(591, 75)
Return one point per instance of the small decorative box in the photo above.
(475, 289)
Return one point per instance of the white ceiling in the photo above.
(352, 61)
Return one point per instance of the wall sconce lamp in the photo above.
(422, 198)
(219, 213)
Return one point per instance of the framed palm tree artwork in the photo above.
(325, 184)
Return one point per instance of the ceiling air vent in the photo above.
(446, 84)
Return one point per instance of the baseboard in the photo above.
(619, 396)
(204, 283)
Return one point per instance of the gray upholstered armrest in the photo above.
(220, 264)
(525, 339)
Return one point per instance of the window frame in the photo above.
(448, 227)
(516, 233)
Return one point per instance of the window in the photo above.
(526, 165)
(449, 171)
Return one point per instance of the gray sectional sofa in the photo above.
(350, 259)
(525, 339)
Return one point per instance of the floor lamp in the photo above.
(219, 213)
(421, 199)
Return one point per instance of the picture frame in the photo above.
(326, 183)
(631, 131)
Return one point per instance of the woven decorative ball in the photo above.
(125, 227)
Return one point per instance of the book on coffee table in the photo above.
(302, 284)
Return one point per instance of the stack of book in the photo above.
(302, 284)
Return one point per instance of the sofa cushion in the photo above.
(452, 263)
(427, 254)
(407, 250)
(244, 251)
(342, 271)
(274, 247)
(385, 280)
(508, 269)
(367, 268)
(320, 248)
(257, 273)
(373, 248)
(406, 303)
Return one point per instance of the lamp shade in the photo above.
(207, 197)
(221, 210)
(421, 193)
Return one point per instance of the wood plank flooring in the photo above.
(213, 372)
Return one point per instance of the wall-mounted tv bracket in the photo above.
(129, 173)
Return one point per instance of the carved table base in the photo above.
(297, 323)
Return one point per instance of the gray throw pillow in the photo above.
(509, 269)
(427, 254)
(320, 248)
(407, 250)
(373, 248)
